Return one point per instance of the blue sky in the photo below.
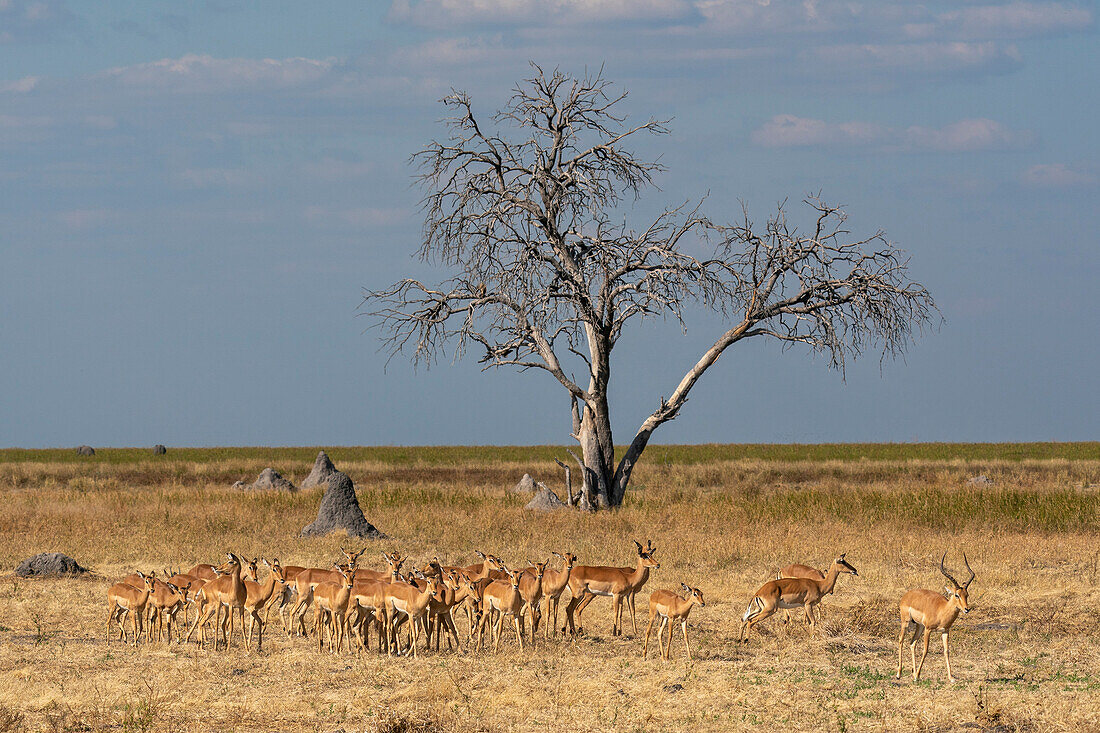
(193, 195)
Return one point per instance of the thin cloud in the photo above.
(20, 86)
(23, 21)
(217, 178)
(207, 74)
(968, 135)
(366, 217)
(1014, 20)
(448, 13)
(1056, 175)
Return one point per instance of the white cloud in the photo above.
(1013, 20)
(786, 130)
(447, 13)
(963, 136)
(206, 74)
(917, 57)
(1056, 175)
(26, 84)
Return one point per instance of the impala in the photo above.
(165, 602)
(797, 570)
(122, 599)
(530, 589)
(499, 599)
(226, 590)
(929, 610)
(787, 593)
(203, 571)
(306, 579)
(192, 583)
(408, 601)
(258, 596)
(554, 583)
(588, 581)
(671, 607)
(330, 609)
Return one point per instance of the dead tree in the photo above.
(523, 212)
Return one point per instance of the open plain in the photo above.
(723, 518)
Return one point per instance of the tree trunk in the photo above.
(597, 457)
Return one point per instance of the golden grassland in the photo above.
(723, 518)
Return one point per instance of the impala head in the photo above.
(250, 568)
(844, 566)
(347, 575)
(646, 554)
(352, 557)
(514, 577)
(540, 567)
(394, 560)
(149, 579)
(230, 563)
(693, 594)
(568, 558)
(956, 593)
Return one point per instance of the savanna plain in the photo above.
(723, 518)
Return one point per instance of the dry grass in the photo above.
(1028, 657)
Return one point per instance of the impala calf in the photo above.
(123, 599)
(671, 607)
(930, 611)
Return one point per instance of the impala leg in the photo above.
(924, 653)
(684, 628)
(518, 621)
(585, 599)
(648, 631)
(668, 641)
(901, 643)
(660, 637)
(633, 620)
(616, 615)
(412, 633)
(947, 658)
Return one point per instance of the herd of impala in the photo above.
(351, 603)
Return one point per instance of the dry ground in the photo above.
(1027, 657)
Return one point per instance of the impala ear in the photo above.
(686, 587)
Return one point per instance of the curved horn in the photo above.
(947, 574)
(971, 578)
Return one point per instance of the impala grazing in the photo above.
(789, 593)
(930, 611)
(671, 607)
